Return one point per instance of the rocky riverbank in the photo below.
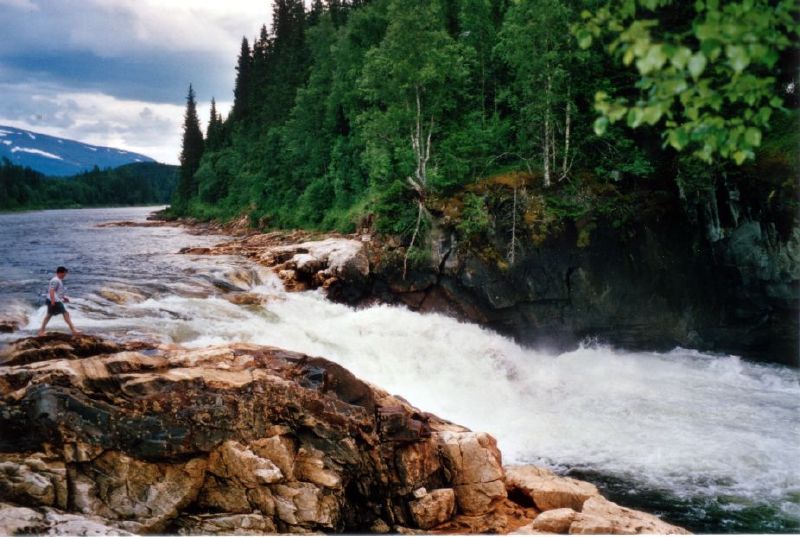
(654, 291)
(100, 438)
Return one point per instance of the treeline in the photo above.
(132, 184)
(382, 107)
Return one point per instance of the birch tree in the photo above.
(536, 44)
(412, 80)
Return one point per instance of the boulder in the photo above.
(102, 437)
(555, 521)
(434, 508)
(475, 466)
(547, 490)
(15, 520)
(34, 479)
(225, 524)
(199, 440)
(602, 516)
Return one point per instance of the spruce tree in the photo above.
(214, 130)
(241, 91)
(191, 152)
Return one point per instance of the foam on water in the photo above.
(686, 422)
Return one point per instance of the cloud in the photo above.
(153, 129)
(116, 72)
(113, 28)
(143, 49)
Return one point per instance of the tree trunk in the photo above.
(513, 248)
(421, 143)
(420, 210)
(565, 164)
(547, 127)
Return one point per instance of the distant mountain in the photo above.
(59, 156)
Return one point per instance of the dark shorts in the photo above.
(58, 309)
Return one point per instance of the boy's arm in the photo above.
(52, 294)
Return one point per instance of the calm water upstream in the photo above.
(710, 442)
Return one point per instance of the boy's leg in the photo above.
(69, 323)
(44, 324)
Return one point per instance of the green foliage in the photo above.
(133, 184)
(412, 81)
(191, 153)
(327, 103)
(475, 219)
(398, 211)
(709, 75)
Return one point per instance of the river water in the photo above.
(711, 442)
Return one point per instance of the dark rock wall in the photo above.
(707, 274)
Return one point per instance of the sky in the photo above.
(116, 72)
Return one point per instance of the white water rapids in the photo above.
(684, 422)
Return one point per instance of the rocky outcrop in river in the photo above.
(101, 438)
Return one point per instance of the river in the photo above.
(711, 442)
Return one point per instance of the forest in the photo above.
(500, 117)
(145, 183)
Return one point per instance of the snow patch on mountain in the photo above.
(55, 156)
(35, 152)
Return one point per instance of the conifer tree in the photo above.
(214, 130)
(191, 151)
(241, 91)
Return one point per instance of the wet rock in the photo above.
(248, 299)
(121, 296)
(55, 346)
(335, 263)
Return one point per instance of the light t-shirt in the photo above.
(58, 286)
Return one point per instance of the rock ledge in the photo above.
(101, 438)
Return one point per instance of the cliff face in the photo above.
(703, 274)
(239, 439)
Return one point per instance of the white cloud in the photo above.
(152, 129)
(113, 28)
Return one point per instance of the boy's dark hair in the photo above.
(61, 270)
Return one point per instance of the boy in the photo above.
(56, 296)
